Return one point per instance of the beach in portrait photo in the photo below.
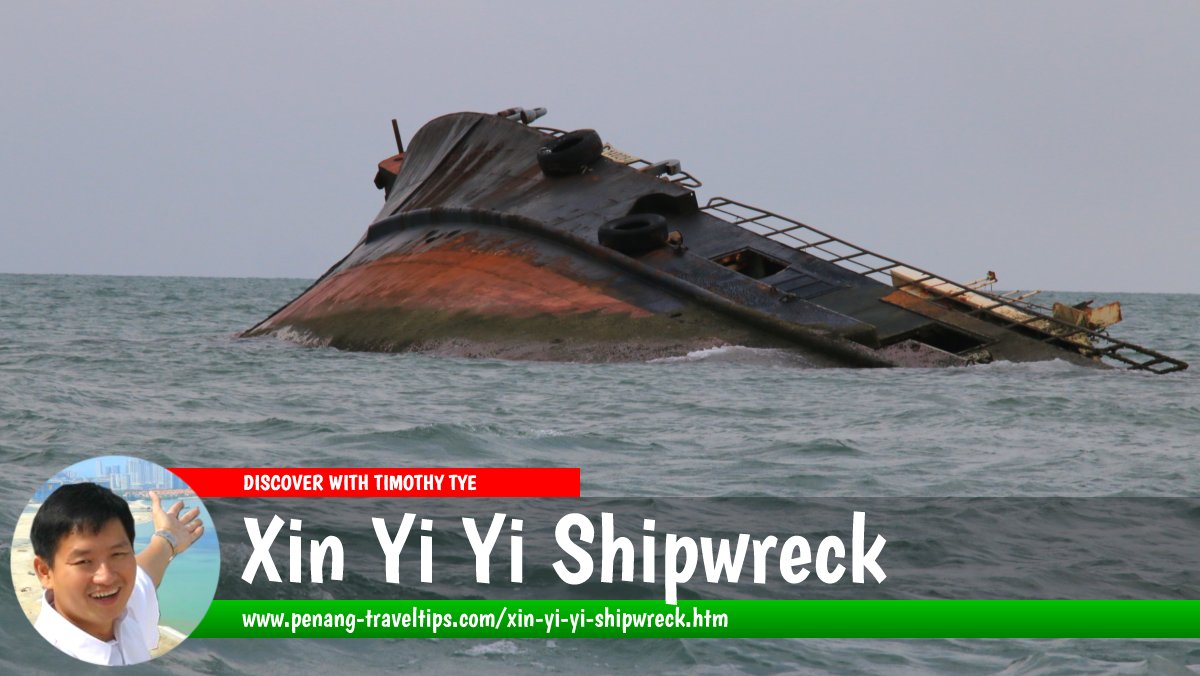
(106, 586)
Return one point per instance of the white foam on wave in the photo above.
(504, 647)
(1035, 367)
(698, 355)
(300, 336)
(739, 354)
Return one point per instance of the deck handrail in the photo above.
(822, 245)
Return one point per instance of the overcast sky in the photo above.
(1057, 143)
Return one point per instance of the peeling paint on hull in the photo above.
(468, 295)
(454, 281)
(484, 247)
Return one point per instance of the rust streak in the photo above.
(454, 280)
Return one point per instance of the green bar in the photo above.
(744, 618)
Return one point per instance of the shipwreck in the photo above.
(501, 238)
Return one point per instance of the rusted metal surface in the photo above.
(388, 169)
(396, 134)
(559, 277)
(474, 242)
(454, 277)
(915, 354)
(1086, 316)
(1098, 348)
(923, 306)
(922, 286)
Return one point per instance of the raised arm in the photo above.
(184, 529)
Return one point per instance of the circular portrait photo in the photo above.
(115, 560)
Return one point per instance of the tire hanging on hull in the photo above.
(570, 153)
(635, 234)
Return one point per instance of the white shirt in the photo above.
(136, 630)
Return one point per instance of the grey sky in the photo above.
(1056, 143)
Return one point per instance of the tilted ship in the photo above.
(500, 238)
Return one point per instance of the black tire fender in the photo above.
(634, 234)
(570, 153)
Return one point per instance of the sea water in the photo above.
(185, 593)
(151, 367)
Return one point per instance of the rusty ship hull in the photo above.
(486, 247)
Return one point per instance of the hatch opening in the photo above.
(751, 263)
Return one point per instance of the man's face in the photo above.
(92, 577)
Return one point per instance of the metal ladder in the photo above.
(824, 246)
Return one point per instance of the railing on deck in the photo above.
(1021, 315)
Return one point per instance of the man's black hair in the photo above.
(85, 507)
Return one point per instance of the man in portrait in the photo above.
(99, 601)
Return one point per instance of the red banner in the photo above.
(381, 482)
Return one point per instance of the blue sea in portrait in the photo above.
(151, 367)
(191, 578)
